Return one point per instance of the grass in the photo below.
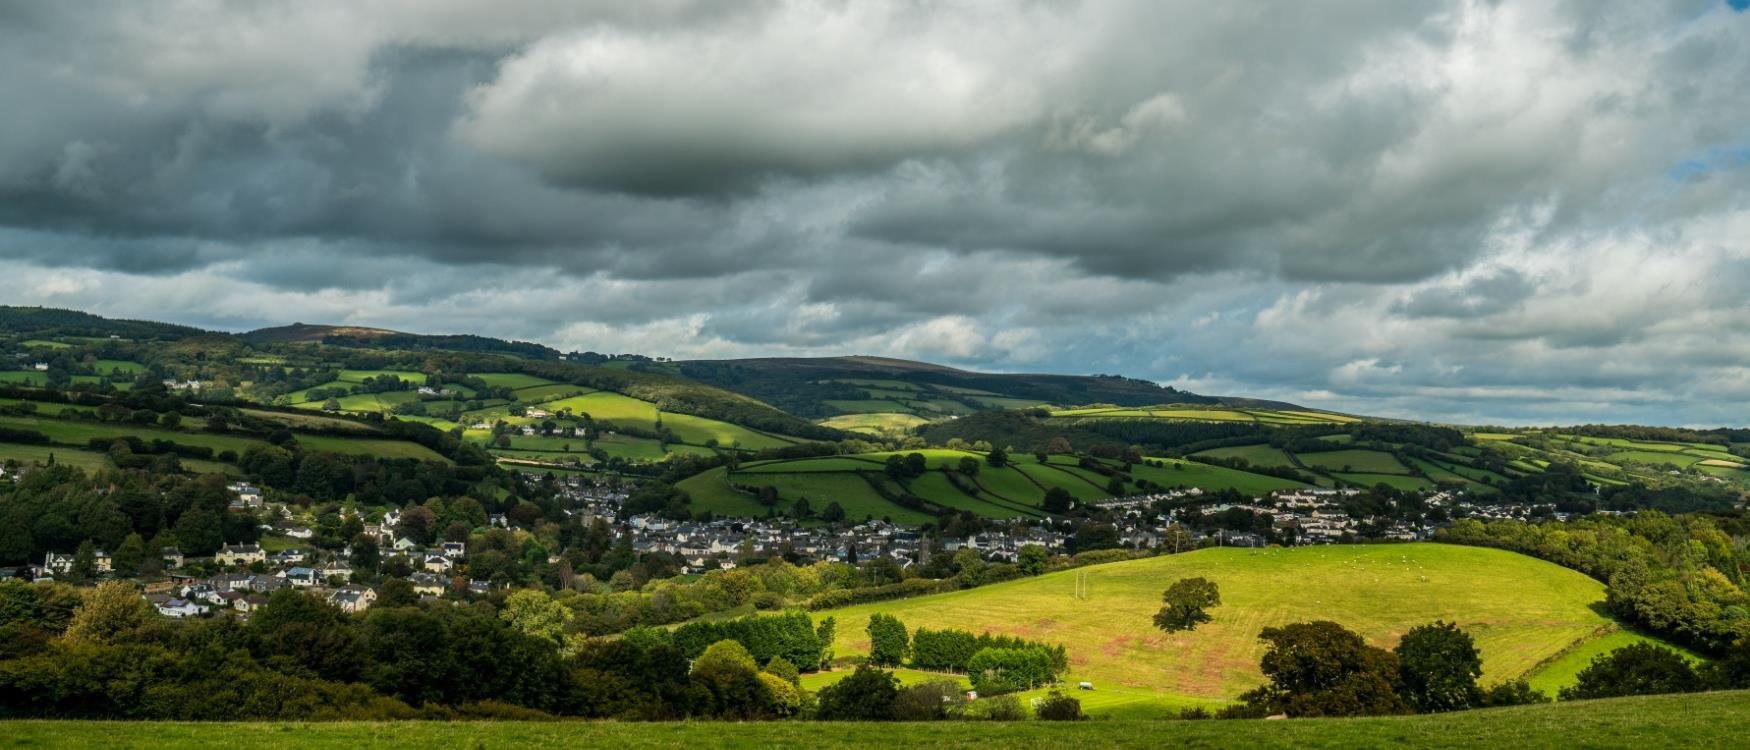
(1257, 455)
(109, 366)
(1182, 473)
(1397, 481)
(360, 376)
(869, 406)
(1520, 610)
(1564, 670)
(313, 421)
(34, 454)
(875, 423)
(513, 380)
(1654, 457)
(371, 447)
(25, 377)
(80, 433)
(1365, 461)
(538, 393)
(1694, 720)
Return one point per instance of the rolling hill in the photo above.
(1522, 612)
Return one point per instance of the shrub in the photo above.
(1060, 707)
(867, 695)
(928, 701)
(999, 708)
(784, 697)
(1513, 693)
(782, 668)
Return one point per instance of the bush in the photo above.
(781, 668)
(1060, 707)
(929, 701)
(867, 695)
(999, 708)
(1513, 693)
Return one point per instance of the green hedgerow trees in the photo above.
(1439, 666)
(1185, 602)
(888, 641)
(1008, 670)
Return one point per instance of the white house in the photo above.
(180, 608)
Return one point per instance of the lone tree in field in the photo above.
(1185, 601)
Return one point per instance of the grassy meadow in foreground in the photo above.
(1697, 720)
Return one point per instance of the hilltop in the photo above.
(536, 408)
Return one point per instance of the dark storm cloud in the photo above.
(1473, 206)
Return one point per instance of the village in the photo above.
(239, 577)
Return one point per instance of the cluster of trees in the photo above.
(1681, 577)
(110, 657)
(1323, 669)
(996, 664)
(57, 508)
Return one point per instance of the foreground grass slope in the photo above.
(1521, 611)
(1697, 720)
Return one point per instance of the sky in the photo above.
(1476, 212)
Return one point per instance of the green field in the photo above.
(875, 422)
(513, 380)
(1365, 461)
(1694, 720)
(30, 454)
(1016, 489)
(851, 492)
(1564, 670)
(370, 446)
(1395, 481)
(1257, 455)
(109, 366)
(1182, 473)
(25, 377)
(1520, 610)
(359, 376)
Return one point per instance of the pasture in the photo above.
(1520, 610)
